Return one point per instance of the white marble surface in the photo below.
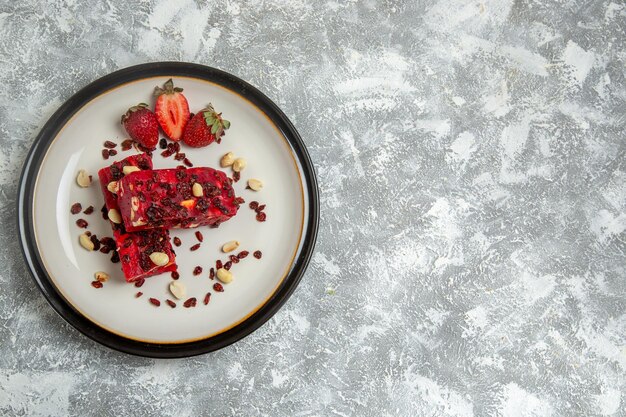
(471, 158)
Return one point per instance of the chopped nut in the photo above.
(134, 203)
(255, 184)
(115, 216)
(85, 242)
(239, 164)
(159, 258)
(227, 160)
(178, 289)
(224, 275)
(113, 187)
(187, 203)
(230, 246)
(101, 276)
(130, 169)
(83, 179)
(197, 190)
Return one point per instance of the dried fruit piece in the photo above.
(199, 236)
(83, 179)
(170, 303)
(227, 160)
(254, 205)
(224, 275)
(190, 302)
(138, 294)
(127, 144)
(175, 275)
(88, 210)
(261, 217)
(257, 254)
(159, 258)
(230, 246)
(207, 298)
(82, 223)
(76, 208)
(86, 242)
(101, 276)
(242, 254)
(218, 287)
(254, 184)
(155, 302)
(96, 284)
(177, 241)
(239, 164)
(178, 289)
(197, 270)
(109, 144)
(139, 282)
(195, 247)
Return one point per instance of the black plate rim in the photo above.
(33, 162)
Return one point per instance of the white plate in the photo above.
(259, 132)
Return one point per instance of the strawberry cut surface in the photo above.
(171, 109)
(165, 198)
(134, 248)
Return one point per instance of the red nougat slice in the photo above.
(166, 198)
(135, 248)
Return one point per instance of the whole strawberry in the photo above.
(172, 110)
(205, 127)
(141, 125)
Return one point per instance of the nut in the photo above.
(101, 276)
(224, 275)
(134, 203)
(239, 164)
(115, 216)
(159, 258)
(128, 169)
(178, 289)
(227, 160)
(85, 242)
(188, 204)
(83, 179)
(113, 187)
(255, 184)
(197, 190)
(230, 246)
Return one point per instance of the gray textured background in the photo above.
(471, 159)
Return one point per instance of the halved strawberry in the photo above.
(205, 127)
(172, 110)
